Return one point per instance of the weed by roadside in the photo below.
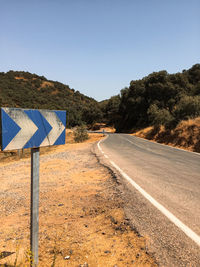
(80, 134)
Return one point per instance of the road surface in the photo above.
(172, 178)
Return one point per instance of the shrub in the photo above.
(80, 134)
(188, 108)
(159, 116)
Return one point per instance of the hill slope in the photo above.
(158, 99)
(186, 135)
(26, 90)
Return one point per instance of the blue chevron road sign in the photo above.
(29, 128)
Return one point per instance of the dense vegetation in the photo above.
(26, 90)
(158, 99)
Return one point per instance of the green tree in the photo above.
(160, 117)
(188, 107)
(112, 110)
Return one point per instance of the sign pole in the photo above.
(34, 227)
(31, 128)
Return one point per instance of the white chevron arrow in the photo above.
(57, 127)
(28, 128)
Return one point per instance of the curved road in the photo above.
(171, 177)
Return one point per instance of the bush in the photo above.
(159, 116)
(188, 108)
(80, 134)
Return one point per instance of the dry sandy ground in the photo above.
(81, 217)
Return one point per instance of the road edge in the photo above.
(178, 223)
(118, 179)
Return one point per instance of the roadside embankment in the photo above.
(186, 135)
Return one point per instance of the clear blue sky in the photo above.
(99, 46)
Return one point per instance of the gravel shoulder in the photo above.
(81, 215)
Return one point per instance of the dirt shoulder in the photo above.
(81, 216)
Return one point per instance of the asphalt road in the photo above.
(171, 177)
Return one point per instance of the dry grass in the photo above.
(21, 78)
(186, 135)
(45, 83)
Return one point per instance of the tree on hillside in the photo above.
(112, 109)
(26, 90)
(91, 114)
(188, 107)
(160, 99)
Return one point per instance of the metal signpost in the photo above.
(29, 128)
(34, 227)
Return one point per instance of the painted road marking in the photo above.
(191, 234)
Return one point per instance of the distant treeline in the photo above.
(158, 99)
(26, 90)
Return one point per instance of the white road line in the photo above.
(191, 234)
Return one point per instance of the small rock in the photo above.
(59, 205)
(107, 251)
(86, 225)
(67, 257)
(138, 255)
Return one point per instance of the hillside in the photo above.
(185, 135)
(158, 99)
(26, 90)
(161, 107)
